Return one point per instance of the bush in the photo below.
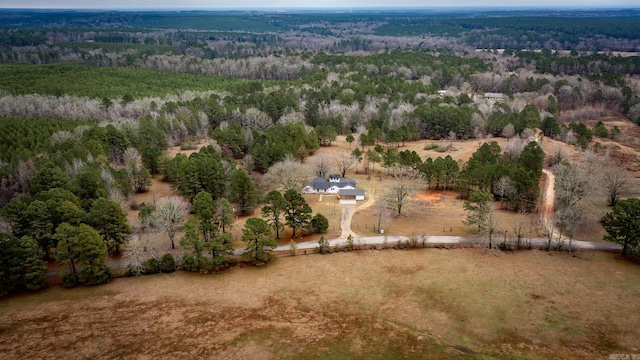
(191, 262)
(130, 271)
(167, 263)
(349, 243)
(68, 280)
(323, 246)
(188, 146)
(319, 223)
(151, 266)
(504, 246)
(431, 146)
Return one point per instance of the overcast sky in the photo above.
(213, 4)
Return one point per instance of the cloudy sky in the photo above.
(212, 4)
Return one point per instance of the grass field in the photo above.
(365, 305)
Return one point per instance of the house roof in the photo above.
(344, 183)
(320, 183)
(351, 192)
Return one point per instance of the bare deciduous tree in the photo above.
(401, 193)
(513, 148)
(520, 230)
(478, 124)
(615, 182)
(570, 188)
(287, 174)
(343, 162)
(129, 154)
(504, 188)
(548, 226)
(248, 163)
(509, 131)
(169, 215)
(382, 211)
(134, 256)
(321, 166)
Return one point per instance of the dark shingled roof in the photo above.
(344, 183)
(349, 192)
(320, 184)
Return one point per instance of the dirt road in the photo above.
(549, 194)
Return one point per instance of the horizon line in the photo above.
(399, 7)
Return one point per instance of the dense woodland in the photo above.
(90, 102)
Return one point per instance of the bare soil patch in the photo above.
(389, 304)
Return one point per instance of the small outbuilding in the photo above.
(350, 196)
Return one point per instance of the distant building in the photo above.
(495, 96)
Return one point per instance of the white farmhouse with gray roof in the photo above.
(320, 185)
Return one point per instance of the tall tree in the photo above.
(204, 209)
(343, 162)
(81, 249)
(224, 214)
(191, 241)
(21, 264)
(47, 177)
(615, 182)
(169, 216)
(349, 139)
(208, 222)
(298, 213)
(257, 235)
(480, 213)
(622, 225)
(571, 187)
(287, 174)
(111, 222)
(275, 206)
(532, 158)
(401, 193)
(321, 166)
(243, 192)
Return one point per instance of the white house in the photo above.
(320, 185)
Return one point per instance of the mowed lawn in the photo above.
(427, 303)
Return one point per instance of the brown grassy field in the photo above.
(390, 304)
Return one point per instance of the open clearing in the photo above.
(389, 304)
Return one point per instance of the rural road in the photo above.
(392, 240)
(442, 240)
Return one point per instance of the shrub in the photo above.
(187, 146)
(167, 263)
(323, 246)
(151, 266)
(349, 243)
(319, 223)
